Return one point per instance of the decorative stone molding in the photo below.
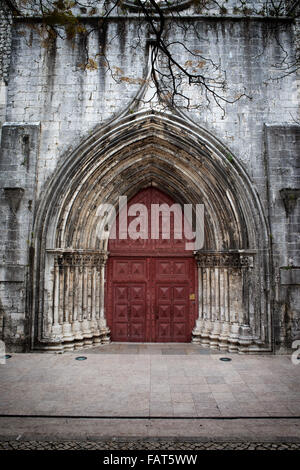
(14, 196)
(221, 259)
(289, 197)
(78, 258)
(165, 150)
(165, 6)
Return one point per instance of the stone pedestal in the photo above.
(245, 338)
(197, 331)
(215, 334)
(233, 339)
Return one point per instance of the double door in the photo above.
(151, 299)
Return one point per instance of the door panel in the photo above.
(149, 299)
(172, 268)
(128, 269)
(129, 312)
(136, 327)
(172, 312)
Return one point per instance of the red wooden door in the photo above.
(171, 312)
(129, 311)
(151, 284)
(174, 309)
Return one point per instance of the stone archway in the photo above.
(186, 162)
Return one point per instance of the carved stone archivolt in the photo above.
(223, 321)
(165, 150)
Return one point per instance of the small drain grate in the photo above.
(225, 359)
(81, 358)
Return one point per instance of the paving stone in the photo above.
(215, 380)
(111, 384)
(145, 445)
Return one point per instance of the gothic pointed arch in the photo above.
(151, 148)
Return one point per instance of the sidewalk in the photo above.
(137, 390)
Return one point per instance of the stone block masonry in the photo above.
(55, 110)
(282, 144)
(5, 51)
(18, 161)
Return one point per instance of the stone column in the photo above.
(86, 324)
(56, 332)
(68, 337)
(76, 327)
(200, 320)
(245, 332)
(94, 320)
(216, 324)
(224, 309)
(235, 281)
(77, 303)
(223, 319)
(207, 308)
(104, 330)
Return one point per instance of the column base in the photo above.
(105, 335)
(197, 331)
(215, 335)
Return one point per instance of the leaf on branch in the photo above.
(166, 96)
(92, 11)
(91, 64)
(104, 62)
(118, 70)
(197, 65)
(133, 81)
(62, 15)
(58, 17)
(60, 4)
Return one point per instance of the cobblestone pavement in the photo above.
(145, 445)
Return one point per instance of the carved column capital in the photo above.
(80, 258)
(228, 259)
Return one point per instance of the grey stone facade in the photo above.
(5, 50)
(58, 120)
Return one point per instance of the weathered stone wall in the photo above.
(48, 85)
(71, 102)
(5, 40)
(5, 50)
(18, 156)
(283, 171)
